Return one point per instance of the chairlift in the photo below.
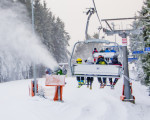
(96, 70)
(107, 55)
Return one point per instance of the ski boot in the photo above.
(104, 84)
(82, 82)
(90, 87)
(79, 84)
(112, 86)
(101, 86)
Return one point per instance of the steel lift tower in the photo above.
(127, 88)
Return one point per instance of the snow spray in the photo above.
(19, 47)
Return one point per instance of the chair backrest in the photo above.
(105, 54)
(96, 70)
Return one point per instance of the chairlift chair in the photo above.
(108, 55)
(95, 70)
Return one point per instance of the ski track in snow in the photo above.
(79, 103)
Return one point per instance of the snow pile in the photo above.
(79, 103)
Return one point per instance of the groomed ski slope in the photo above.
(79, 103)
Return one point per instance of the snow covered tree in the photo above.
(51, 31)
(60, 38)
(140, 41)
(145, 12)
(137, 44)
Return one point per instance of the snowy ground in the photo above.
(79, 103)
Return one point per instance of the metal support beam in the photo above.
(89, 12)
(34, 66)
(127, 91)
(114, 19)
(123, 18)
(108, 25)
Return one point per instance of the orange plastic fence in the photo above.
(32, 89)
(55, 80)
(56, 93)
(59, 82)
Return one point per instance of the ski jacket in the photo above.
(95, 51)
(79, 62)
(115, 62)
(113, 51)
(49, 71)
(102, 51)
(107, 51)
(101, 61)
(64, 71)
(59, 72)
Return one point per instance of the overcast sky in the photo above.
(71, 13)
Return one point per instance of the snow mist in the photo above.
(19, 47)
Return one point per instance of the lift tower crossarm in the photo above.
(114, 19)
(109, 25)
(123, 18)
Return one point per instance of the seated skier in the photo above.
(101, 61)
(112, 50)
(101, 50)
(79, 79)
(114, 62)
(89, 79)
(107, 50)
(95, 51)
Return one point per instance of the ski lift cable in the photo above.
(97, 14)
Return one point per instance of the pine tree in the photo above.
(143, 62)
(145, 12)
(50, 30)
(60, 41)
(137, 44)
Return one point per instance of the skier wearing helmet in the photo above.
(101, 61)
(107, 50)
(95, 51)
(79, 79)
(89, 79)
(114, 62)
